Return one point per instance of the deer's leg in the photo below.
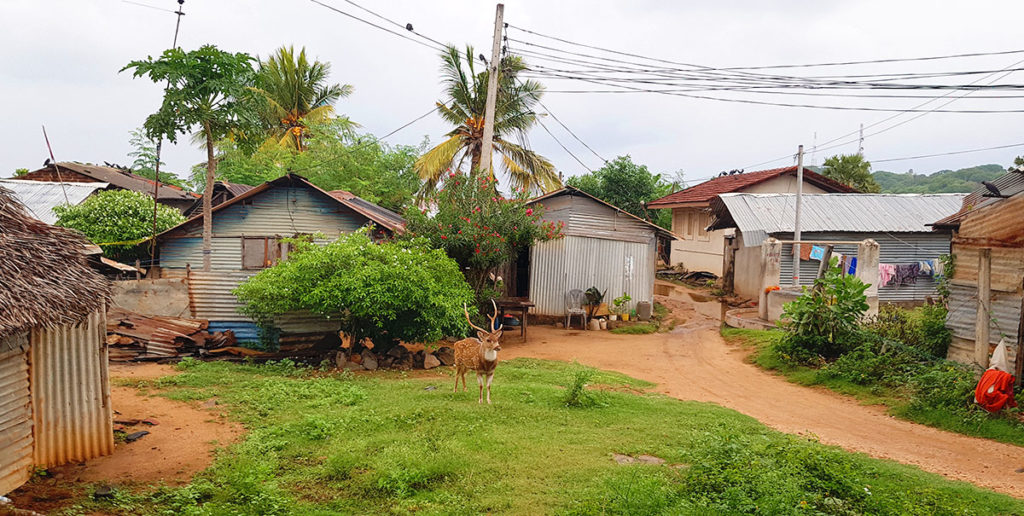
(490, 377)
(480, 382)
(456, 379)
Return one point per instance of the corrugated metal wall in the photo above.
(963, 312)
(589, 218)
(15, 414)
(558, 266)
(71, 392)
(211, 299)
(894, 249)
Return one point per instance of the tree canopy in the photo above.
(466, 94)
(295, 94)
(335, 158)
(117, 216)
(963, 180)
(629, 186)
(851, 170)
(479, 228)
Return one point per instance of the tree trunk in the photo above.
(208, 199)
(474, 162)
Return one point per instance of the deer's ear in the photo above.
(482, 335)
(497, 335)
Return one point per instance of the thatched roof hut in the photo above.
(45, 280)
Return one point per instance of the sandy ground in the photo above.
(180, 445)
(693, 362)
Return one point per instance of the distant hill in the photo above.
(944, 181)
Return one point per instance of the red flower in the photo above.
(529, 212)
(444, 237)
(451, 174)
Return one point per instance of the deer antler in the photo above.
(471, 325)
(492, 317)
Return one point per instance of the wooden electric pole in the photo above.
(493, 69)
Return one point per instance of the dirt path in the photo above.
(695, 363)
(180, 445)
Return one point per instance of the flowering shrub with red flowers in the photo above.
(478, 227)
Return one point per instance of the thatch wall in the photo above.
(45, 280)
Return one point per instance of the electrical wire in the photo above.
(397, 24)
(800, 65)
(951, 153)
(385, 29)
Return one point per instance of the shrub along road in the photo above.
(694, 363)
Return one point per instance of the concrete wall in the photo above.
(164, 296)
(697, 249)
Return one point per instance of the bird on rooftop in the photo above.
(992, 188)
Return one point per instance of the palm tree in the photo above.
(513, 117)
(296, 95)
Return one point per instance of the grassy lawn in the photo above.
(1003, 427)
(397, 443)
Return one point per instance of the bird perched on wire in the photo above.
(993, 190)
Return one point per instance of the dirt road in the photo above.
(695, 363)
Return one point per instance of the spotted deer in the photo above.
(479, 354)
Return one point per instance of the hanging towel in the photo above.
(924, 268)
(852, 269)
(817, 252)
(805, 251)
(886, 272)
(938, 270)
(906, 274)
(995, 390)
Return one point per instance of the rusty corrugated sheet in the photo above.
(996, 225)
(1007, 267)
(71, 392)
(15, 414)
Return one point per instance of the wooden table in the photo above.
(515, 304)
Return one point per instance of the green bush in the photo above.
(923, 327)
(118, 216)
(823, 322)
(387, 291)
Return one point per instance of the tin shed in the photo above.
(898, 222)
(988, 280)
(54, 389)
(247, 237)
(603, 246)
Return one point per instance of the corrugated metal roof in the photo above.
(42, 196)
(1008, 184)
(760, 215)
(122, 179)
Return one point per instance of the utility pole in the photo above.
(159, 146)
(796, 224)
(493, 69)
(860, 146)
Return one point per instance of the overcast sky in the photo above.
(60, 68)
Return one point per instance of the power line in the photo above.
(799, 65)
(951, 153)
(385, 29)
(407, 26)
(566, 149)
(790, 104)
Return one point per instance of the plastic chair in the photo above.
(574, 301)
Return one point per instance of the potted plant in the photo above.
(619, 303)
